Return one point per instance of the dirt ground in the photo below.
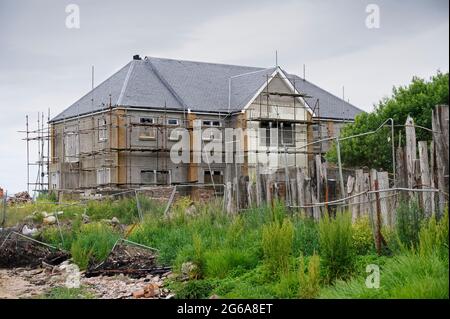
(19, 283)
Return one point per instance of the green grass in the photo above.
(402, 277)
(336, 246)
(265, 252)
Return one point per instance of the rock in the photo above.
(214, 297)
(60, 212)
(115, 221)
(29, 231)
(85, 218)
(189, 269)
(44, 214)
(138, 293)
(49, 220)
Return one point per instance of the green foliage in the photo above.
(362, 236)
(92, 243)
(277, 245)
(417, 99)
(309, 278)
(222, 262)
(336, 247)
(306, 236)
(409, 219)
(433, 237)
(193, 289)
(405, 276)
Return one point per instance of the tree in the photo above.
(417, 99)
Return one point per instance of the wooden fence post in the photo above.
(425, 176)
(440, 136)
(411, 152)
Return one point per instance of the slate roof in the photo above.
(198, 86)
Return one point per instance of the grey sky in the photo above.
(43, 64)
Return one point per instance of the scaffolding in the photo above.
(81, 152)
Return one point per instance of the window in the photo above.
(286, 133)
(147, 133)
(71, 147)
(172, 121)
(146, 120)
(103, 176)
(211, 123)
(264, 133)
(102, 130)
(210, 176)
(155, 177)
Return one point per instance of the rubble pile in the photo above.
(130, 260)
(18, 251)
(19, 198)
(124, 287)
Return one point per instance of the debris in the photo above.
(29, 231)
(115, 221)
(128, 258)
(49, 220)
(19, 198)
(17, 250)
(139, 293)
(85, 218)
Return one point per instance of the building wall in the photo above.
(130, 148)
(274, 109)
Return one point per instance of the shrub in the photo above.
(433, 237)
(92, 243)
(221, 262)
(309, 279)
(336, 248)
(193, 289)
(409, 219)
(362, 236)
(306, 236)
(277, 245)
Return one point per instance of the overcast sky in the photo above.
(44, 64)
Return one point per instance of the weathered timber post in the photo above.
(425, 177)
(440, 122)
(410, 153)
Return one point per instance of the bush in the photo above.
(193, 289)
(92, 244)
(362, 236)
(306, 236)
(433, 237)
(409, 219)
(336, 247)
(277, 245)
(309, 279)
(221, 262)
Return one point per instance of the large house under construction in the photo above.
(118, 136)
